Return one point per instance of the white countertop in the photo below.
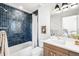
(62, 44)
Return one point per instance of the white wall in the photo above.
(44, 20)
(56, 19)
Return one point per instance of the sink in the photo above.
(63, 41)
(58, 40)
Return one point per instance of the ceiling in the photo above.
(28, 7)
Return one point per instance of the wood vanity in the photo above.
(52, 50)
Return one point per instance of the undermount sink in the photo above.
(58, 41)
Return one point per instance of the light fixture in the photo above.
(57, 7)
(63, 4)
(74, 5)
(64, 7)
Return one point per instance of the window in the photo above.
(69, 24)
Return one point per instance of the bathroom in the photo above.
(31, 26)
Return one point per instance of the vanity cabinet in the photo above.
(51, 50)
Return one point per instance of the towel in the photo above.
(4, 44)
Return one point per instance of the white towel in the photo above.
(4, 44)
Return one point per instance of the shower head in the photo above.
(3, 8)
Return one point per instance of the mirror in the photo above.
(65, 23)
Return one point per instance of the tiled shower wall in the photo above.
(17, 24)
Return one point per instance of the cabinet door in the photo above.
(46, 51)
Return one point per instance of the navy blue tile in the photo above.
(16, 23)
